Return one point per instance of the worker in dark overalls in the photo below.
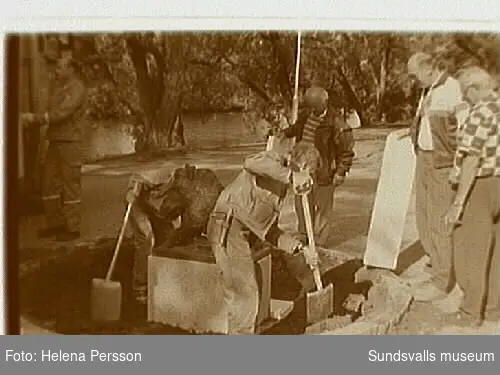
(170, 208)
(61, 178)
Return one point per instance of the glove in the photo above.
(302, 182)
(311, 257)
(133, 194)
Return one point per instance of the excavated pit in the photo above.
(55, 291)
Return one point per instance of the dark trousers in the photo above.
(321, 202)
(476, 256)
(61, 185)
(144, 242)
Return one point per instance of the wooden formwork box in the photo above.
(186, 291)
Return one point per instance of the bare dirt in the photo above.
(55, 292)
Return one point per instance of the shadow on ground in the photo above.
(352, 211)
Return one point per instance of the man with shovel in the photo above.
(248, 209)
(318, 126)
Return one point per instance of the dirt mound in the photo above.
(55, 292)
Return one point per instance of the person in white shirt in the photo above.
(441, 109)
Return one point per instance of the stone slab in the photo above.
(189, 294)
(385, 312)
(392, 200)
(186, 294)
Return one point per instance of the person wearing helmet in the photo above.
(319, 126)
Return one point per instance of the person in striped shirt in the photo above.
(318, 125)
(476, 176)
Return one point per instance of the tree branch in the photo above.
(284, 73)
(262, 93)
(462, 43)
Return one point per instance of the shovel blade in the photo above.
(105, 300)
(319, 305)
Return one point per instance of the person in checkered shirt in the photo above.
(474, 214)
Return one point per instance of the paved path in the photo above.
(104, 187)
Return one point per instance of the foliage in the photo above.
(156, 77)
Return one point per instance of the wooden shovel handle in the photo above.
(119, 242)
(317, 278)
(310, 237)
(295, 104)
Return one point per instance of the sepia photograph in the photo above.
(292, 182)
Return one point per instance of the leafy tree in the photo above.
(154, 78)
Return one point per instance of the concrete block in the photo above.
(280, 309)
(186, 294)
(388, 301)
(186, 290)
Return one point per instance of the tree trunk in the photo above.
(352, 98)
(161, 130)
(177, 132)
(384, 68)
(160, 106)
(285, 59)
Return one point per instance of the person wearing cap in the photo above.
(248, 210)
(319, 126)
(61, 176)
(476, 176)
(434, 137)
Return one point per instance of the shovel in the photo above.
(106, 295)
(319, 304)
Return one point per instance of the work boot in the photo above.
(67, 236)
(51, 232)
